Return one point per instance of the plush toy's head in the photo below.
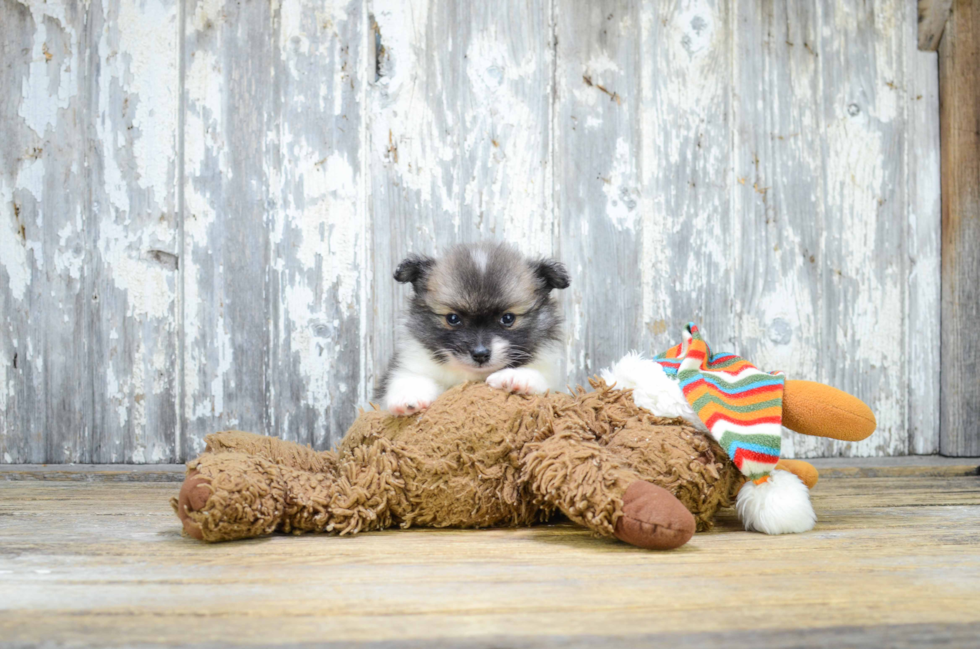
(745, 410)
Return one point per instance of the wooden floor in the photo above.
(894, 561)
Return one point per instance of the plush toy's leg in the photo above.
(780, 503)
(270, 448)
(776, 504)
(680, 459)
(232, 495)
(594, 489)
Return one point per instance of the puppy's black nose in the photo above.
(480, 354)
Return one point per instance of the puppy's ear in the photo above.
(414, 269)
(551, 274)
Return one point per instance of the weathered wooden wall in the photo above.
(959, 79)
(201, 202)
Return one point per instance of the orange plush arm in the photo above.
(816, 409)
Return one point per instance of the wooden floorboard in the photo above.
(894, 561)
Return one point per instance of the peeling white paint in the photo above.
(116, 395)
(225, 356)
(92, 129)
(50, 86)
(30, 178)
(620, 188)
(148, 36)
(7, 392)
(207, 14)
(68, 259)
(146, 284)
(410, 127)
(204, 119)
(313, 353)
(503, 138)
(13, 250)
(329, 222)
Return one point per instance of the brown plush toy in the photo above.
(480, 457)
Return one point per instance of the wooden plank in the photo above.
(320, 223)
(909, 465)
(88, 232)
(924, 210)
(274, 219)
(685, 162)
(821, 274)
(597, 184)
(863, 283)
(104, 565)
(229, 126)
(778, 185)
(94, 472)
(460, 143)
(959, 98)
(932, 15)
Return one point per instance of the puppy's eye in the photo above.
(453, 320)
(507, 319)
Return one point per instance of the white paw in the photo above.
(519, 380)
(409, 396)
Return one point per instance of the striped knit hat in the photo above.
(741, 406)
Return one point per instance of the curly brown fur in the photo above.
(478, 457)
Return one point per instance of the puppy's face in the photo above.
(483, 307)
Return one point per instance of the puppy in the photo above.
(483, 312)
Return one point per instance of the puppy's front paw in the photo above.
(410, 397)
(519, 380)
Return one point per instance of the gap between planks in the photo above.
(835, 467)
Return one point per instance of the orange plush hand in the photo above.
(822, 411)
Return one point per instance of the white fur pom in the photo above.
(652, 388)
(780, 505)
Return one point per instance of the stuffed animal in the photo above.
(480, 457)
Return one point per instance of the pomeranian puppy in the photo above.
(483, 312)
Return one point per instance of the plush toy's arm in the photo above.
(816, 409)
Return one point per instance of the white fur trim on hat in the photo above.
(652, 388)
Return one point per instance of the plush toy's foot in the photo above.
(653, 518)
(802, 470)
(779, 504)
(193, 496)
